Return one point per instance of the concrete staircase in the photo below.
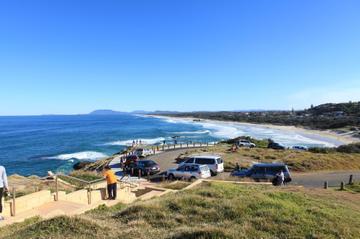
(43, 203)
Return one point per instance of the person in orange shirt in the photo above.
(110, 177)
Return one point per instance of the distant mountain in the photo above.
(165, 112)
(143, 112)
(106, 112)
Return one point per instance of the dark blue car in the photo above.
(264, 171)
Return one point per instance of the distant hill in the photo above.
(349, 108)
(325, 116)
(106, 112)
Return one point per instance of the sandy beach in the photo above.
(344, 138)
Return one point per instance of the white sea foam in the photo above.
(130, 141)
(84, 155)
(227, 130)
(194, 132)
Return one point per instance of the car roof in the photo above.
(205, 156)
(269, 165)
(146, 160)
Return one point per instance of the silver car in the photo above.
(194, 171)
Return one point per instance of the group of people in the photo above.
(136, 142)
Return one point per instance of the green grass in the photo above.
(355, 188)
(87, 176)
(214, 210)
(177, 185)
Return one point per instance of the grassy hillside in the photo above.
(300, 161)
(213, 210)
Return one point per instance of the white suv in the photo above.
(246, 143)
(214, 162)
(189, 172)
(143, 152)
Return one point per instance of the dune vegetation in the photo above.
(212, 210)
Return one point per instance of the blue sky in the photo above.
(71, 57)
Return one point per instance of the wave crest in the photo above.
(84, 155)
(130, 141)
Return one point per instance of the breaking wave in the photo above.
(130, 141)
(84, 155)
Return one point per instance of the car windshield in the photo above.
(219, 160)
(149, 163)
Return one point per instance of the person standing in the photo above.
(111, 182)
(280, 178)
(3, 187)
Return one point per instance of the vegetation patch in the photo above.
(177, 185)
(87, 176)
(61, 227)
(354, 188)
(215, 210)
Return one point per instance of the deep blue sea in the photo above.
(33, 145)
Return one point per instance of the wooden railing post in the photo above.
(13, 202)
(56, 188)
(326, 185)
(342, 187)
(351, 180)
(89, 194)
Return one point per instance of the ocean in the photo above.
(33, 145)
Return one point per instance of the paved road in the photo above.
(313, 179)
(317, 179)
(166, 159)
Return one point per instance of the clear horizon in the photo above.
(66, 57)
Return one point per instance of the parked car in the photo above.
(193, 171)
(300, 147)
(264, 171)
(246, 143)
(131, 159)
(143, 152)
(146, 166)
(274, 145)
(214, 162)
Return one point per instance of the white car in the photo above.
(189, 172)
(143, 152)
(246, 143)
(214, 162)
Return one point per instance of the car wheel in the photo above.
(171, 177)
(213, 173)
(192, 179)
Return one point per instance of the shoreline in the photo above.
(330, 134)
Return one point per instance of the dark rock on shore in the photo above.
(81, 165)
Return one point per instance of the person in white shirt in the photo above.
(282, 177)
(3, 187)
